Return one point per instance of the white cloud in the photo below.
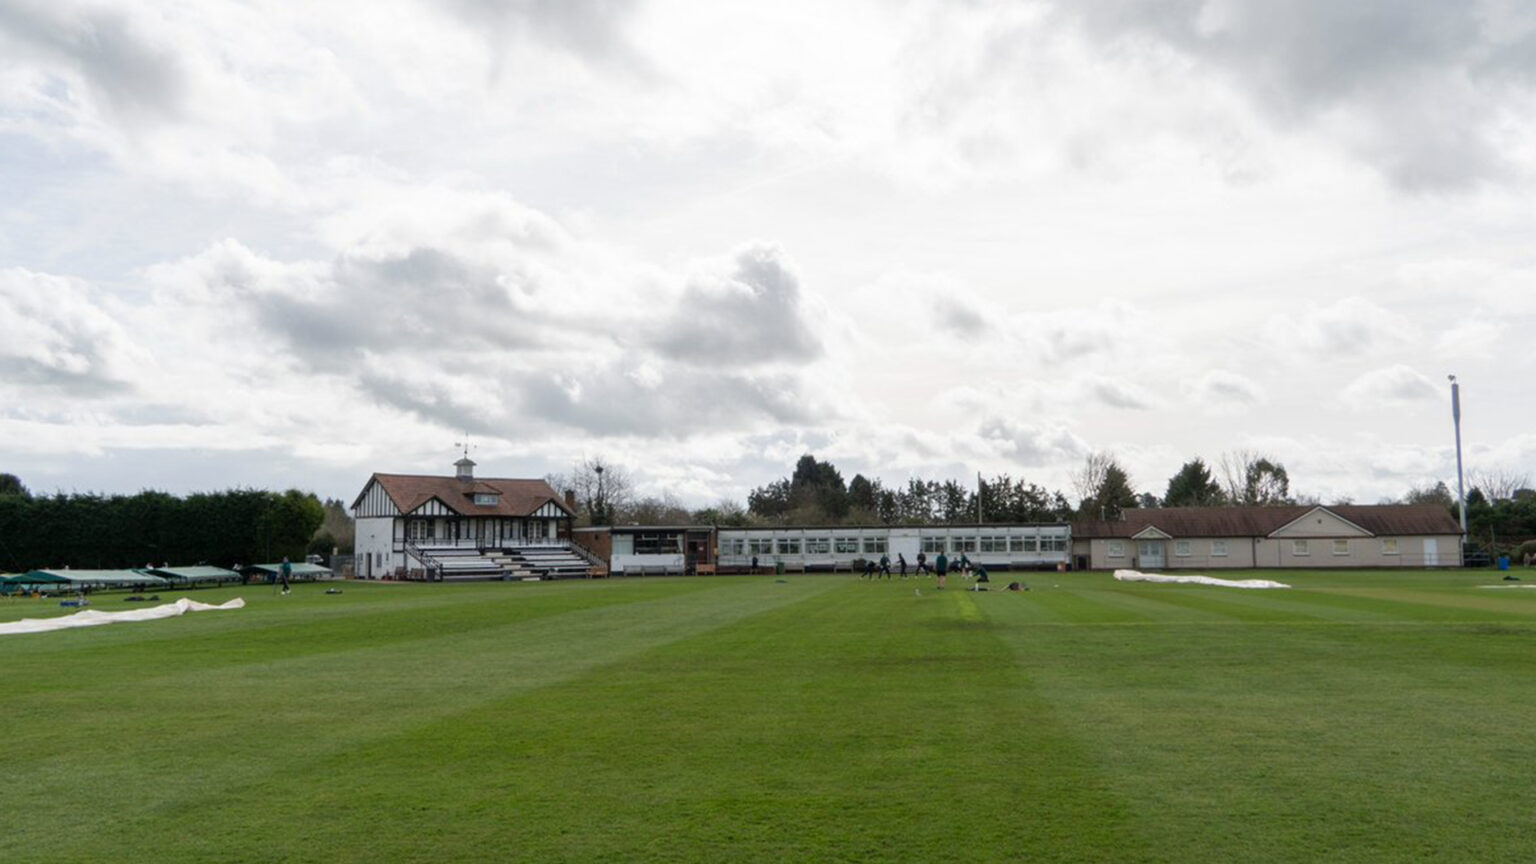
(1389, 386)
(1220, 390)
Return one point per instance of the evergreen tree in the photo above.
(1193, 486)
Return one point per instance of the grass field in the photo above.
(1358, 717)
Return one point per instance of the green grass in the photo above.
(1358, 717)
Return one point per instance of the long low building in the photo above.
(1218, 538)
(642, 549)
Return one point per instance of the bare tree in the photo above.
(1089, 479)
(1106, 488)
(1498, 484)
(1254, 479)
(602, 490)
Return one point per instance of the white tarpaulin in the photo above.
(93, 618)
(1137, 576)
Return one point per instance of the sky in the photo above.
(276, 245)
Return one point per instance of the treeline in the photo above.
(88, 531)
(816, 494)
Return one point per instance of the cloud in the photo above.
(128, 69)
(1221, 389)
(55, 337)
(1392, 385)
(1116, 394)
(1032, 445)
(590, 28)
(1422, 82)
(751, 316)
(1351, 326)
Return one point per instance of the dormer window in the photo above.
(486, 499)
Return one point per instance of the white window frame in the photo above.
(846, 545)
(1218, 548)
(1390, 546)
(817, 545)
(874, 545)
(1300, 549)
(1341, 547)
(1182, 548)
(789, 546)
(933, 545)
(1115, 549)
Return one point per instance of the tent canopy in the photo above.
(36, 577)
(94, 578)
(183, 575)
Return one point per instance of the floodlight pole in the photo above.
(1461, 491)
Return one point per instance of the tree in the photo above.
(1193, 486)
(770, 502)
(1252, 479)
(338, 526)
(1436, 494)
(653, 510)
(602, 490)
(288, 523)
(862, 493)
(1108, 488)
(1498, 484)
(955, 503)
(1090, 478)
(725, 512)
(818, 488)
(10, 484)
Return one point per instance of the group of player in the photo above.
(941, 567)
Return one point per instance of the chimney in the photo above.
(465, 470)
(570, 500)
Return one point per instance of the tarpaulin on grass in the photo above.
(93, 618)
(1137, 576)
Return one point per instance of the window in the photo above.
(486, 499)
(1053, 544)
(1116, 549)
(657, 544)
(817, 545)
(1389, 546)
(1218, 548)
(994, 544)
(760, 546)
(734, 546)
(963, 544)
(1341, 547)
(1026, 544)
(418, 531)
(846, 545)
(874, 544)
(1299, 548)
(1181, 548)
(933, 545)
(789, 545)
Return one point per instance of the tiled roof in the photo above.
(1382, 520)
(515, 497)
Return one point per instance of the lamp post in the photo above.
(1461, 492)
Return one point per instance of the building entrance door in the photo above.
(1149, 554)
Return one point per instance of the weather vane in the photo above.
(465, 445)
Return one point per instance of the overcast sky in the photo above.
(287, 245)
